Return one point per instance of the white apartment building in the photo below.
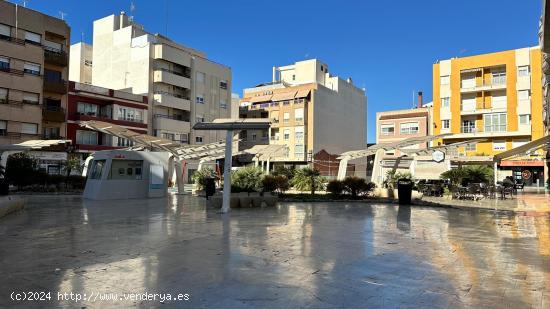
(80, 65)
(316, 115)
(182, 85)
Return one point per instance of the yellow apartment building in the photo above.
(497, 97)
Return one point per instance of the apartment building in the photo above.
(182, 85)
(87, 102)
(396, 125)
(34, 58)
(313, 113)
(80, 66)
(497, 97)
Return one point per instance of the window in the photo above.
(523, 71)
(223, 84)
(387, 129)
(86, 137)
(409, 128)
(445, 80)
(87, 109)
(30, 98)
(499, 145)
(200, 118)
(468, 126)
(51, 75)
(299, 150)
(286, 117)
(299, 114)
(223, 104)
(184, 138)
(5, 32)
(470, 147)
(123, 142)
(130, 114)
(445, 102)
(3, 95)
(468, 80)
(498, 100)
(4, 63)
(200, 99)
(286, 134)
(293, 77)
(3, 127)
(520, 142)
(31, 68)
(126, 169)
(468, 103)
(253, 136)
(499, 77)
(200, 77)
(168, 136)
(33, 38)
(52, 132)
(525, 119)
(445, 124)
(495, 122)
(97, 169)
(299, 133)
(523, 95)
(88, 63)
(29, 128)
(198, 139)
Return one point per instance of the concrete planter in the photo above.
(392, 193)
(246, 200)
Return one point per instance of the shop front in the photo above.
(529, 172)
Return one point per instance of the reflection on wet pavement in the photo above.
(295, 255)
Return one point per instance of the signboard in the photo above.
(526, 174)
(49, 155)
(438, 156)
(157, 176)
(522, 163)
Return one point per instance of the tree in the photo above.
(308, 178)
(479, 174)
(455, 176)
(72, 164)
(21, 169)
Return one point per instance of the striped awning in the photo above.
(262, 98)
(302, 93)
(283, 96)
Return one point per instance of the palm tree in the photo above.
(307, 178)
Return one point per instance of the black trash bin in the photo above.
(404, 191)
(210, 187)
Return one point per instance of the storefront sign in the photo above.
(438, 156)
(526, 174)
(522, 163)
(49, 155)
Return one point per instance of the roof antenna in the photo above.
(24, 3)
(132, 9)
(166, 18)
(82, 36)
(63, 14)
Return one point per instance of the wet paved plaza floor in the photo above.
(308, 255)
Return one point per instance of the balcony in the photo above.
(52, 137)
(172, 100)
(55, 86)
(53, 113)
(55, 56)
(171, 123)
(496, 83)
(12, 39)
(171, 78)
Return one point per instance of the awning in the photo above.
(302, 93)
(521, 150)
(471, 70)
(262, 98)
(265, 152)
(283, 96)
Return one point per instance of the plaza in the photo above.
(314, 255)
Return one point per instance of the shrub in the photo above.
(282, 184)
(200, 177)
(308, 179)
(269, 183)
(21, 169)
(356, 186)
(247, 179)
(76, 181)
(335, 187)
(280, 170)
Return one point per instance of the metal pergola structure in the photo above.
(379, 149)
(10, 149)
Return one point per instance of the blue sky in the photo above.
(388, 47)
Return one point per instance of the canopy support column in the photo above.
(227, 171)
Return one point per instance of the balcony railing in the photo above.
(173, 117)
(12, 39)
(11, 71)
(468, 129)
(54, 56)
(180, 96)
(56, 86)
(174, 72)
(53, 113)
(52, 136)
